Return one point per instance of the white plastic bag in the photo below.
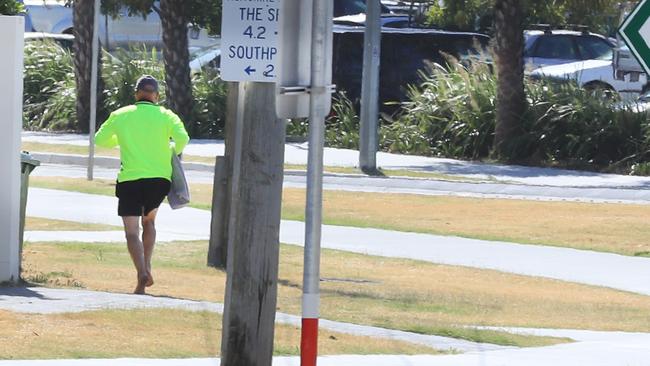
(179, 192)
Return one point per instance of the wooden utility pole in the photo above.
(254, 232)
(222, 187)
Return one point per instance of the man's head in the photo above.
(146, 89)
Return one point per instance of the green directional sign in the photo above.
(635, 31)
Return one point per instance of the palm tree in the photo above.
(82, 22)
(511, 97)
(175, 21)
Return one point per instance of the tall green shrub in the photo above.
(451, 113)
(210, 96)
(49, 87)
(11, 7)
(122, 69)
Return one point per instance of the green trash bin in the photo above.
(27, 165)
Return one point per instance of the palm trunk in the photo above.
(511, 97)
(176, 57)
(83, 15)
(83, 35)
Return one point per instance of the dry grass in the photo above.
(612, 228)
(155, 333)
(37, 224)
(392, 293)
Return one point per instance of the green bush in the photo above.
(341, 126)
(452, 114)
(11, 7)
(122, 69)
(50, 94)
(49, 87)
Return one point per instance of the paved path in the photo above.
(633, 351)
(39, 300)
(623, 272)
(297, 154)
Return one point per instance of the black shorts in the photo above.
(140, 197)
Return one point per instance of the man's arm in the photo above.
(106, 137)
(178, 133)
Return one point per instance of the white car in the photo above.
(595, 74)
(209, 57)
(554, 47)
(53, 16)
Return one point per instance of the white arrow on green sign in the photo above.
(635, 31)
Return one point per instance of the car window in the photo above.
(594, 48)
(557, 47)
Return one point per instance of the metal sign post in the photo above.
(368, 134)
(321, 49)
(304, 89)
(635, 31)
(249, 41)
(93, 92)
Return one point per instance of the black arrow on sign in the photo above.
(249, 70)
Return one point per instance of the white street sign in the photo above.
(249, 40)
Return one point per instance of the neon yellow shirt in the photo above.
(143, 132)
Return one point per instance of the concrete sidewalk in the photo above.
(586, 267)
(578, 354)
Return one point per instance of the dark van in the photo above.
(404, 52)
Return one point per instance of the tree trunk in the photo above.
(83, 35)
(511, 97)
(177, 60)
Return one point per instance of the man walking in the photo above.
(143, 132)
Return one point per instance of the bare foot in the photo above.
(142, 282)
(150, 280)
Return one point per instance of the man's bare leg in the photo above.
(136, 249)
(149, 241)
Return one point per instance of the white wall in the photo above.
(11, 106)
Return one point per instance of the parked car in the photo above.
(555, 47)
(352, 7)
(387, 20)
(54, 16)
(595, 74)
(404, 53)
(209, 57)
(64, 40)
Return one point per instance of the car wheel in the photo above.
(603, 89)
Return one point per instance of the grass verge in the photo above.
(620, 229)
(391, 293)
(39, 224)
(156, 333)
